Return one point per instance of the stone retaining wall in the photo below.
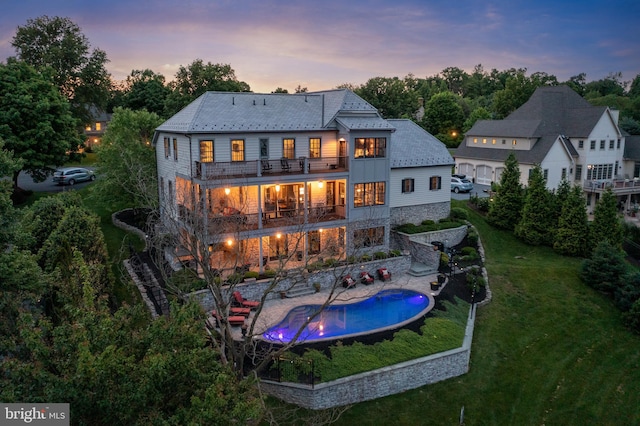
(381, 382)
(420, 244)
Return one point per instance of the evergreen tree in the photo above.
(537, 223)
(606, 269)
(606, 225)
(505, 210)
(560, 195)
(573, 229)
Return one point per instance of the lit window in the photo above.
(484, 140)
(435, 183)
(88, 128)
(237, 150)
(206, 151)
(475, 140)
(514, 142)
(407, 185)
(289, 148)
(369, 194)
(98, 127)
(314, 147)
(493, 141)
(370, 147)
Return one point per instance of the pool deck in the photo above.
(274, 310)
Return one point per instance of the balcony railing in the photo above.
(283, 166)
(618, 186)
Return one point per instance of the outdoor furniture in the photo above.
(244, 303)
(366, 278)
(383, 274)
(232, 319)
(348, 282)
(245, 312)
(266, 166)
(284, 164)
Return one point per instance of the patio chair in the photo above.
(233, 320)
(266, 166)
(244, 303)
(366, 278)
(244, 312)
(284, 164)
(383, 274)
(348, 282)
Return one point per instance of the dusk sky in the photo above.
(323, 43)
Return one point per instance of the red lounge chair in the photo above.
(384, 274)
(242, 302)
(365, 278)
(233, 319)
(348, 282)
(240, 311)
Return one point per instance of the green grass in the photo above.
(546, 350)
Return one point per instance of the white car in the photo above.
(73, 175)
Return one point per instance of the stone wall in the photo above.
(327, 278)
(419, 245)
(416, 214)
(379, 383)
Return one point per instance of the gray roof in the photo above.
(255, 112)
(551, 111)
(412, 146)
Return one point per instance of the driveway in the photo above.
(25, 182)
(479, 190)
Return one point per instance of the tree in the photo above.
(127, 161)
(477, 114)
(573, 229)
(606, 268)
(537, 224)
(606, 224)
(611, 85)
(8, 217)
(443, 115)
(145, 90)
(59, 44)
(518, 89)
(390, 96)
(505, 210)
(197, 78)
(35, 120)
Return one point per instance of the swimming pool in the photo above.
(383, 310)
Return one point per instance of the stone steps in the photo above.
(420, 270)
(302, 289)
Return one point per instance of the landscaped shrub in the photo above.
(187, 281)
(380, 255)
(252, 274)
(395, 253)
(330, 262)
(269, 273)
(428, 226)
(365, 258)
(234, 278)
(458, 214)
(472, 237)
(606, 268)
(469, 253)
(475, 279)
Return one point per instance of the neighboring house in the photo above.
(93, 131)
(559, 130)
(255, 177)
(420, 175)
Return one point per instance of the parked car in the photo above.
(73, 175)
(461, 184)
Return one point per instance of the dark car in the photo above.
(73, 175)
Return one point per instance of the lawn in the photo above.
(546, 350)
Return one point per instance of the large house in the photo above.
(252, 178)
(563, 133)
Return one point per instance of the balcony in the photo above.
(236, 221)
(256, 168)
(618, 186)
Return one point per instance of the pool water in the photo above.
(382, 310)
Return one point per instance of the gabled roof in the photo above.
(412, 146)
(255, 112)
(550, 112)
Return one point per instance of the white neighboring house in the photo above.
(559, 130)
(420, 175)
(253, 177)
